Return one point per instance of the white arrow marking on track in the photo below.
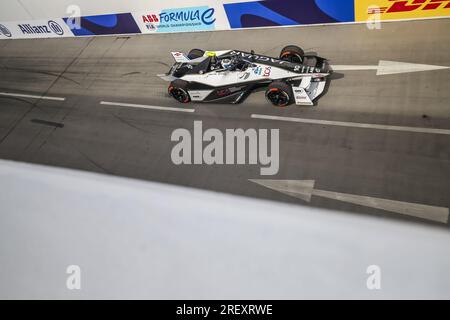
(304, 190)
(390, 67)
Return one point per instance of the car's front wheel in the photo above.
(178, 90)
(279, 93)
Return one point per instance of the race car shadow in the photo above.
(334, 76)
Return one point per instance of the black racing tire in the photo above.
(292, 53)
(195, 53)
(178, 91)
(279, 93)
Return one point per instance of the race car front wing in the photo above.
(308, 90)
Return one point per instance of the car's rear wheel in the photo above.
(279, 93)
(178, 90)
(292, 53)
(195, 53)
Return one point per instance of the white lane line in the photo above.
(143, 106)
(354, 124)
(19, 95)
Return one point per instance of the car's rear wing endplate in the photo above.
(180, 57)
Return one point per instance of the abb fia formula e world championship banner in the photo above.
(205, 16)
(400, 9)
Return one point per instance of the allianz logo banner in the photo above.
(54, 28)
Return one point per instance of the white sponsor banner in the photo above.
(52, 28)
(203, 16)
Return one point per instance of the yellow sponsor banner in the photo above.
(400, 9)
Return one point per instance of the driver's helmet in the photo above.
(226, 63)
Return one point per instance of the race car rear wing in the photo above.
(180, 57)
(183, 58)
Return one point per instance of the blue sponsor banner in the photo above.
(288, 12)
(122, 23)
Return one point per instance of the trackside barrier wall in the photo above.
(154, 16)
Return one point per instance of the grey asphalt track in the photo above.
(80, 133)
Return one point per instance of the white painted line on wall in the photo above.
(354, 124)
(143, 106)
(19, 95)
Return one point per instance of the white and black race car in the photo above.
(229, 76)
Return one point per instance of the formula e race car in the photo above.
(229, 76)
